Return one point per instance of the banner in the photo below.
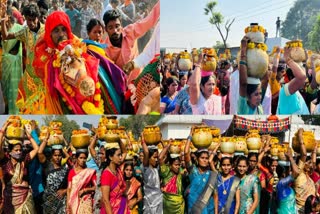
(274, 126)
(223, 125)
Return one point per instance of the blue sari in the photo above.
(170, 104)
(225, 186)
(197, 183)
(286, 196)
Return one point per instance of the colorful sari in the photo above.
(134, 186)
(11, 70)
(31, 91)
(173, 201)
(286, 196)
(79, 181)
(198, 182)
(56, 179)
(17, 193)
(224, 188)
(249, 185)
(117, 188)
(111, 77)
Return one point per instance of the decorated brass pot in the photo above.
(80, 141)
(241, 144)
(209, 62)
(297, 52)
(152, 135)
(111, 135)
(184, 62)
(253, 140)
(228, 145)
(14, 132)
(308, 139)
(202, 137)
(175, 147)
(56, 137)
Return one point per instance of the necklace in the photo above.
(225, 189)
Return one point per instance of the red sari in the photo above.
(117, 187)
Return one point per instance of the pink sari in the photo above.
(117, 187)
(80, 181)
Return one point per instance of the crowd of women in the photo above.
(121, 36)
(110, 178)
(229, 89)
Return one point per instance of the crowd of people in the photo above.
(115, 178)
(79, 57)
(229, 89)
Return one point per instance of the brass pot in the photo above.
(111, 136)
(55, 139)
(80, 141)
(308, 139)
(241, 144)
(228, 147)
(175, 149)
(13, 132)
(202, 137)
(185, 64)
(152, 135)
(257, 63)
(254, 144)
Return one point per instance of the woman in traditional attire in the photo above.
(113, 185)
(153, 197)
(173, 201)
(248, 192)
(168, 101)
(11, 66)
(227, 186)
(81, 185)
(17, 192)
(133, 186)
(202, 194)
(56, 174)
(113, 79)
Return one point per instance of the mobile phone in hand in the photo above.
(87, 125)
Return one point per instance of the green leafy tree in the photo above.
(314, 36)
(311, 119)
(216, 19)
(300, 20)
(67, 125)
(136, 123)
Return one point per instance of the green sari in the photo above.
(173, 201)
(11, 70)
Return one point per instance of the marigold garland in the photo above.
(255, 28)
(294, 44)
(252, 45)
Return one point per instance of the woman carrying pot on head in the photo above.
(56, 174)
(172, 188)
(133, 188)
(153, 198)
(285, 193)
(250, 88)
(248, 192)
(289, 93)
(82, 183)
(203, 196)
(201, 88)
(17, 192)
(113, 186)
(227, 186)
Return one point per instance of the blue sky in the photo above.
(183, 23)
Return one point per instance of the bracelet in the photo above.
(243, 62)
(189, 138)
